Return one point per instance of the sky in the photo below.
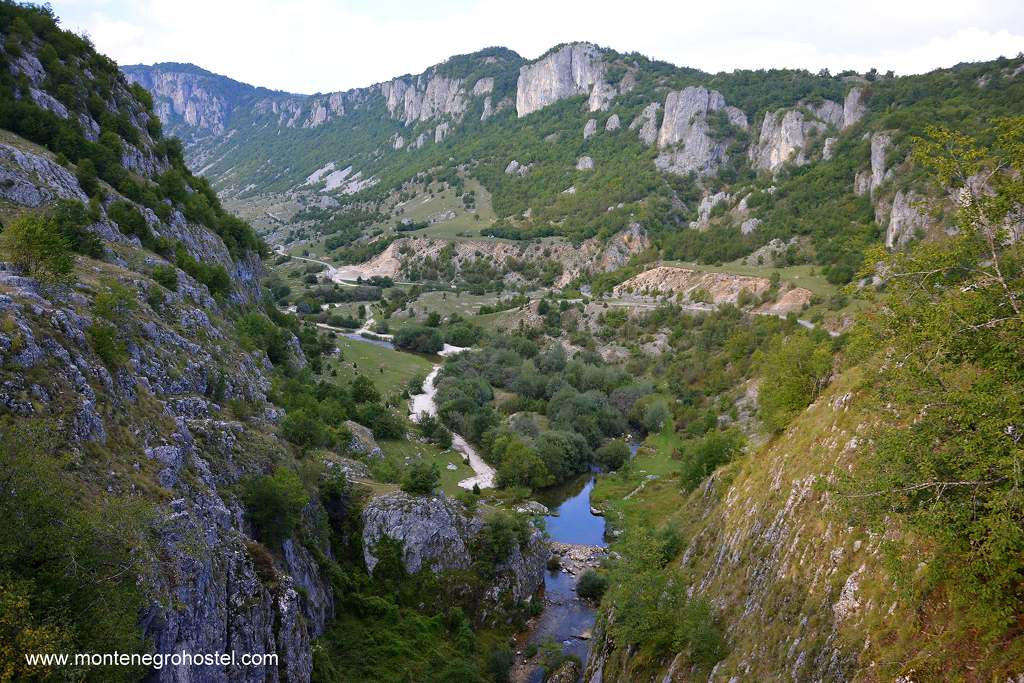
(324, 46)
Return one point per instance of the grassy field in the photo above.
(423, 207)
(410, 451)
(390, 370)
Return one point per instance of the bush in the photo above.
(305, 430)
(419, 338)
(794, 370)
(701, 456)
(613, 454)
(591, 585)
(421, 479)
(103, 337)
(275, 503)
(166, 276)
(33, 244)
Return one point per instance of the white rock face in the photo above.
(572, 70)
(485, 86)
(590, 129)
(427, 97)
(867, 182)
(516, 168)
(750, 225)
(853, 107)
(584, 164)
(613, 123)
(904, 220)
(601, 97)
(785, 132)
(707, 204)
(828, 148)
(647, 122)
(685, 132)
(399, 142)
(441, 132)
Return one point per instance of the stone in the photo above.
(750, 225)
(785, 134)
(590, 129)
(362, 441)
(613, 123)
(584, 163)
(568, 71)
(685, 138)
(853, 107)
(905, 219)
(647, 122)
(515, 168)
(601, 97)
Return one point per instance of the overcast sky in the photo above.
(320, 46)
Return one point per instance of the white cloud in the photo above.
(320, 45)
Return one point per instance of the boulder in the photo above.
(362, 440)
(613, 123)
(584, 163)
(590, 129)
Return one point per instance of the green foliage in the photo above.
(107, 344)
(274, 503)
(948, 446)
(421, 478)
(166, 276)
(69, 558)
(794, 370)
(700, 457)
(591, 585)
(652, 610)
(34, 244)
(419, 338)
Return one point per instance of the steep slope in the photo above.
(585, 141)
(157, 498)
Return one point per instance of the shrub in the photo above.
(304, 430)
(419, 338)
(166, 276)
(103, 337)
(701, 456)
(591, 585)
(794, 370)
(275, 503)
(33, 244)
(421, 478)
(613, 454)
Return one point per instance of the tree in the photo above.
(700, 457)
(34, 244)
(421, 478)
(613, 454)
(946, 339)
(794, 370)
(275, 503)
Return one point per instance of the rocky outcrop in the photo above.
(590, 129)
(647, 123)
(571, 70)
(707, 204)
(718, 288)
(905, 219)
(437, 534)
(791, 301)
(785, 134)
(601, 97)
(867, 181)
(186, 95)
(516, 168)
(613, 123)
(427, 97)
(585, 163)
(853, 107)
(686, 139)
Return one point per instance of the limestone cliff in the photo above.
(686, 140)
(571, 70)
(786, 134)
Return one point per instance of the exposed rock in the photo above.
(515, 168)
(785, 134)
(568, 672)
(399, 142)
(441, 132)
(601, 97)
(30, 179)
(571, 70)
(362, 440)
(853, 107)
(647, 122)
(613, 123)
(828, 148)
(791, 301)
(707, 204)
(671, 281)
(590, 129)
(437, 534)
(484, 86)
(426, 97)
(866, 182)
(685, 137)
(584, 163)
(750, 225)
(904, 220)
